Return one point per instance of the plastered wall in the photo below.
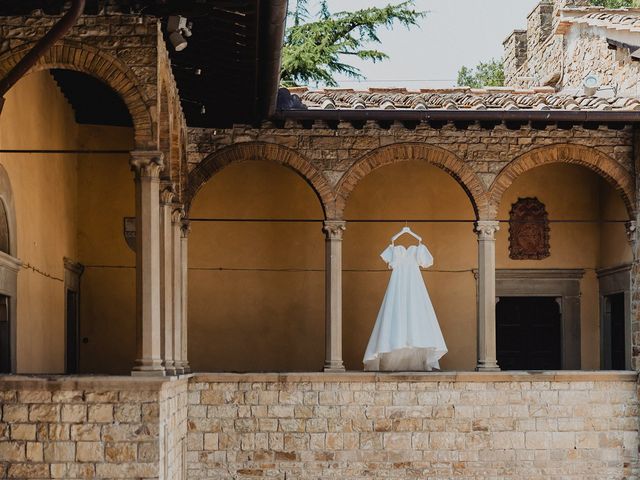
(36, 116)
(573, 193)
(68, 205)
(257, 290)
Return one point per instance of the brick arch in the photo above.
(270, 152)
(587, 157)
(399, 152)
(87, 59)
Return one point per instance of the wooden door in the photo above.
(5, 335)
(528, 333)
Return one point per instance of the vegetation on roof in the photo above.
(616, 3)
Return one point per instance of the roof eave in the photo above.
(549, 116)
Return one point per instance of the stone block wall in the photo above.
(437, 426)
(486, 151)
(84, 427)
(173, 430)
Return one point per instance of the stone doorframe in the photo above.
(610, 281)
(564, 285)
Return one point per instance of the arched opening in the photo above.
(583, 266)
(68, 161)
(256, 288)
(411, 190)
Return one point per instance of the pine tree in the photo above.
(315, 47)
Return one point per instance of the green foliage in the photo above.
(489, 74)
(314, 47)
(616, 3)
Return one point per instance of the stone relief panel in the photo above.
(528, 230)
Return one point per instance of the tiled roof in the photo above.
(624, 19)
(498, 98)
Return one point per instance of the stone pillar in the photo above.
(185, 290)
(178, 215)
(334, 230)
(147, 166)
(486, 230)
(167, 287)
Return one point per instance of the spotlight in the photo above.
(178, 41)
(198, 71)
(178, 28)
(203, 110)
(175, 23)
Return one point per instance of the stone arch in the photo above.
(87, 59)
(271, 152)
(9, 263)
(399, 152)
(587, 157)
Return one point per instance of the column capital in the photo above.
(334, 229)
(486, 229)
(177, 213)
(167, 193)
(147, 163)
(631, 228)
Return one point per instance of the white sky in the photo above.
(454, 33)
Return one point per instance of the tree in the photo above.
(489, 74)
(315, 47)
(616, 3)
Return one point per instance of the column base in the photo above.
(334, 367)
(148, 368)
(488, 367)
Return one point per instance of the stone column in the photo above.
(178, 215)
(334, 230)
(166, 278)
(185, 290)
(147, 166)
(486, 230)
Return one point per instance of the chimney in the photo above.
(539, 24)
(515, 54)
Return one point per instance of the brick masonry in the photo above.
(73, 428)
(571, 425)
(439, 426)
(484, 161)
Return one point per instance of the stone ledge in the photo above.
(475, 377)
(86, 382)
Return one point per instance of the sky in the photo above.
(453, 33)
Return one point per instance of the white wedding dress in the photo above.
(406, 335)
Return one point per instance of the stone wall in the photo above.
(91, 427)
(357, 426)
(474, 155)
(173, 430)
(562, 54)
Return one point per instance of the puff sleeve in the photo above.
(387, 255)
(425, 259)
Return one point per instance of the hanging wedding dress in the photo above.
(406, 335)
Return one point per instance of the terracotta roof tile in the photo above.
(458, 98)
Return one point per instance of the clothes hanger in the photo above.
(404, 230)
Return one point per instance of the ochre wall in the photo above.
(572, 192)
(37, 116)
(411, 190)
(68, 205)
(267, 311)
(255, 318)
(105, 196)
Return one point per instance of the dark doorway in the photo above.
(613, 332)
(528, 333)
(5, 335)
(73, 328)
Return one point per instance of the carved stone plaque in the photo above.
(528, 230)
